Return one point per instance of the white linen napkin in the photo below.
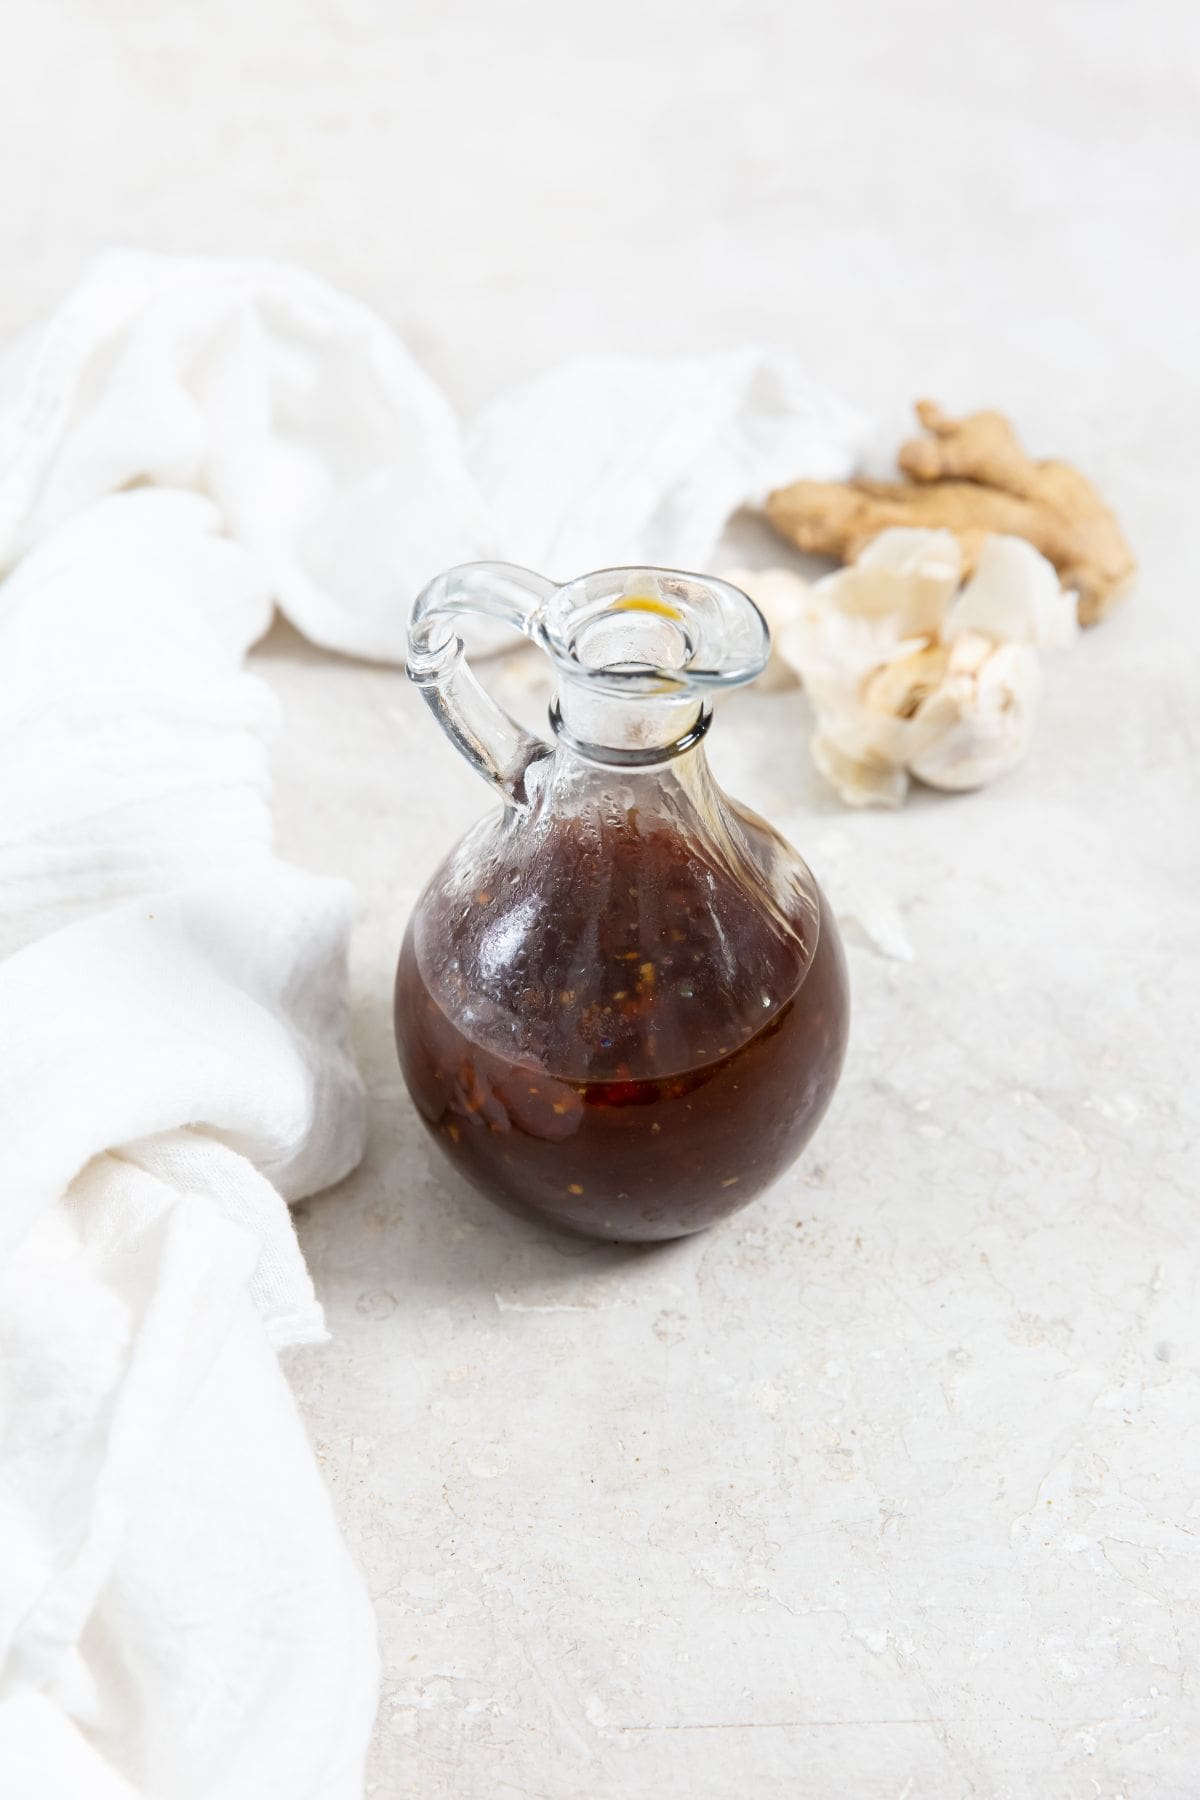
(184, 444)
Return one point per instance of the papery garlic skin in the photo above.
(859, 781)
(904, 579)
(780, 596)
(1014, 597)
(910, 675)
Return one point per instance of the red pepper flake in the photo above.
(574, 1188)
(619, 1093)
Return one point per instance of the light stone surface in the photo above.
(890, 1487)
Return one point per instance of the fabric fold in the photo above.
(185, 445)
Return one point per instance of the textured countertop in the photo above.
(889, 1487)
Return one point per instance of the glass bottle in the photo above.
(621, 1002)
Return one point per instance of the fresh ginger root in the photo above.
(970, 476)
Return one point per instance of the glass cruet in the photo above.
(621, 1002)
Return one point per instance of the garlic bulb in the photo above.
(780, 596)
(910, 673)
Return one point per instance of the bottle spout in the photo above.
(654, 632)
(639, 653)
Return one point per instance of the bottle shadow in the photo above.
(406, 1226)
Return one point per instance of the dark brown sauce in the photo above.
(659, 1049)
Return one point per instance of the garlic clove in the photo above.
(980, 719)
(902, 685)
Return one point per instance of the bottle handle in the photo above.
(492, 742)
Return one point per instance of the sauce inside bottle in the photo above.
(620, 1039)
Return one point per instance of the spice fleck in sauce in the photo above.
(641, 1047)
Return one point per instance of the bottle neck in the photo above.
(640, 731)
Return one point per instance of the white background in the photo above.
(889, 1488)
